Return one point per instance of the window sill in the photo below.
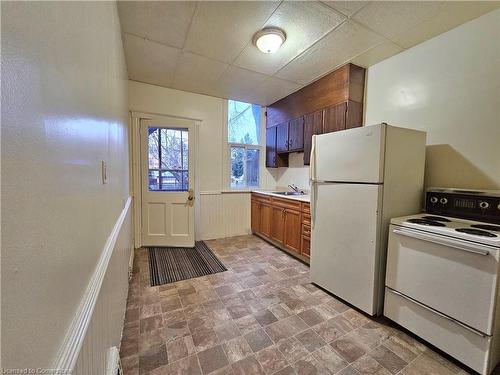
(237, 191)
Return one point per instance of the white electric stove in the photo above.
(442, 279)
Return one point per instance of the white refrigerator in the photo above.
(360, 178)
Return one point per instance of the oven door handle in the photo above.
(473, 330)
(456, 244)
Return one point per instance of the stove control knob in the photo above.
(434, 200)
(484, 205)
(443, 201)
(498, 206)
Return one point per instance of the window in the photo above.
(168, 159)
(243, 135)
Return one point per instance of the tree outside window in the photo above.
(244, 145)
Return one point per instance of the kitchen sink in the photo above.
(288, 193)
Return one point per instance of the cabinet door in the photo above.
(354, 116)
(313, 124)
(266, 213)
(282, 137)
(296, 134)
(277, 223)
(293, 226)
(271, 148)
(306, 247)
(335, 117)
(273, 160)
(256, 216)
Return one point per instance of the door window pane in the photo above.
(168, 159)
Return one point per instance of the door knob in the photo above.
(190, 198)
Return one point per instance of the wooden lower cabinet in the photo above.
(293, 222)
(277, 223)
(266, 212)
(256, 216)
(282, 221)
(306, 246)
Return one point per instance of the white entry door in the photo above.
(167, 183)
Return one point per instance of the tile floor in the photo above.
(262, 316)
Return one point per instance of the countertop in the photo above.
(302, 198)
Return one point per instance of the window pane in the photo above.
(168, 157)
(252, 168)
(243, 122)
(238, 167)
(154, 160)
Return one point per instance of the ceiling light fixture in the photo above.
(269, 39)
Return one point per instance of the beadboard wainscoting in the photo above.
(224, 214)
(98, 322)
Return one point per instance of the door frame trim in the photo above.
(136, 170)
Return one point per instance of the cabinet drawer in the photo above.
(306, 209)
(449, 336)
(450, 276)
(261, 198)
(286, 203)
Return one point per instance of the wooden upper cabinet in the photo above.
(273, 160)
(313, 125)
(354, 115)
(282, 137)
(296, 134)
(347, 83)
(271, 147)
(335, 117)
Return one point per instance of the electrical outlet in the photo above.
(104, 172)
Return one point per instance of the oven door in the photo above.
(455, 277)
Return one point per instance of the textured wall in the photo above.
(64, 109)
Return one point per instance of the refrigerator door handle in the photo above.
(312, 162)
(313, 204)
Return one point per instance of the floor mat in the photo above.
(170, 264)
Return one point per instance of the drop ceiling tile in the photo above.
(452, 14)
(337, 48)
(392, 18)
(377, 54)
(166, 22)
(347, 8)
(303, 22)
(271, 90)
(150, 62)
(197, 73)
(220, 30)
(236, 83)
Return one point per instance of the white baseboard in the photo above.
(75, 336)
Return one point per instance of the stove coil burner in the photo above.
(437, 218)
(494, 228)
(431, 223)
(476, 232)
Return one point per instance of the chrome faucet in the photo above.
(294, 188)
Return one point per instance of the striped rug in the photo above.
(170, 264)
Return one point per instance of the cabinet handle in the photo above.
(291, 142)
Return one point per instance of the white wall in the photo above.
(64, 109)
(219, 213)
(448, 86)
